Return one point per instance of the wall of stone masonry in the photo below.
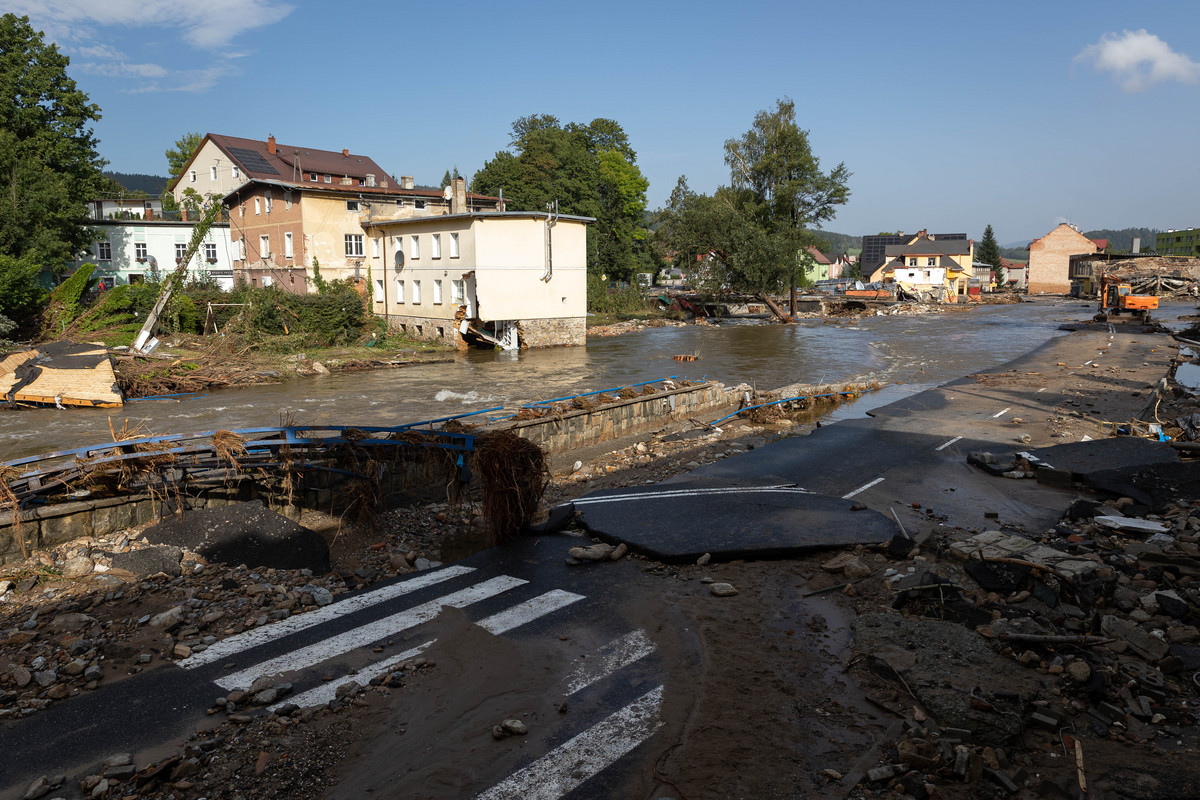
(552, 332)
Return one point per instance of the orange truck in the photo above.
(1117, 297)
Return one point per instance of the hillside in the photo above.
(152, 185)
(839, 242)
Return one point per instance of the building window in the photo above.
(414, 246)
(210, 252)
(267, 202)
(418, 204)
(287, 199)
(312, 176)
(212, 172)
(354, 245)
(288, 252)
(454, 245)
(104, 250)
(435, 249)
(139, 251)
(258, 205)
(379, 290)
(192, 176)
(328, 179)
(264, 246)
(399, 291)
(912, 262)
(352, 205)
(267, 280)
(180, 252)
(437, 292)
(931, 261)
(375, 248)
(458, 291)
(240, 249)
(237, 172)
(416, 294)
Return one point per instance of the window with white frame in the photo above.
(104, 250)
(354, 245)
(288, 252)
(912, 262)
(414, 246)
(454, 245)
(416, 291)
(287, 198)
(239, 249)
(212, 172)
(258, 205)
(437, 292)
(180, 251)
(399, 291)
(312, 176)
(192, 176)
(931, 261)
(264, 246)
(435, 248)
(267, 280)
(267, 202)
(458, 292)
(140, 252)
(210, 252)
(375, 245)
(379, 290)
(329, 179)
(236, 172)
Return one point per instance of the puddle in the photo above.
(1188, 376)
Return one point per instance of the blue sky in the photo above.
(950, 115)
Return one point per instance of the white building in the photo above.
(135, 251)
(515, 279)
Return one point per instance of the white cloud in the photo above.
(210, 24)
(121, 69)
(1138, 60)
(195, 81)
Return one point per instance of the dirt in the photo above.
(783, 702)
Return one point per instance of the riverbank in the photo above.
(772, 658)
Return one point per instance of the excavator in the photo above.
(1117, 297)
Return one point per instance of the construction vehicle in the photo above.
(1117, 297)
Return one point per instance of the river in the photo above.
(908, 352)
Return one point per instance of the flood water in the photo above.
(910, 353)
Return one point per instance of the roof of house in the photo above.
(1074, 230)
(287, 162)
(358, 191)
(818, 256)
(924, 246)
(1101, 244)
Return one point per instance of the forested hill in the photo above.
(152, 185)
(839, 242)
(1123, 239)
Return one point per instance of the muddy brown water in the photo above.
(909, 353)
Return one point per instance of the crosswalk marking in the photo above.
(299, 622)
(674, 493)
(578, 759)
(528, 611)
(366, 634)
(322, 694)
(611, 657)
(862, 488)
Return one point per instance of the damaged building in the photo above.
(500, 278)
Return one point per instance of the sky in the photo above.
(949, 115)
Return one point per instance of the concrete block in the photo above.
(59, 529)
(111, 519)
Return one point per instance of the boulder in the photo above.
(150, 561)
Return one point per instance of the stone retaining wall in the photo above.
(552, 332)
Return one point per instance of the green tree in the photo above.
(589, 170)
(177, 158)
(450, 176)
(21, 294)
(989, 253)
(48, 160)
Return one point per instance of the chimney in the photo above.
(271, 144)
(406, 181)
(458, 196)
(1137, 244)
(346, 152)
(370, 179)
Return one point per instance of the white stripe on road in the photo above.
(690, 493)
(862, 488)
(1001, 413)
(322, 694)
(268, 633)
(947, 444)
(366, 634)
(570, 764)
(1039, 391)
(528, 611)
(610, 658)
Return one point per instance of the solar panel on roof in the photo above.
(252, 160)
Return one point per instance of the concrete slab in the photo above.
(680, 522)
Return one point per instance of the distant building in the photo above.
(1178, 243)
(143, 250)
(1050, 258)
(874, 250)
(937, 264)
(125, 208)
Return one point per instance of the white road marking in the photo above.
(268, 633)
(366, 634)
(322, 694)
(610, 658)
(578, 759)
(690, 493)
(1039, 391)
(947, 444)
(862, 488)
(528, 611)
(1002, 412)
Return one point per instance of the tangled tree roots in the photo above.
(514, 473)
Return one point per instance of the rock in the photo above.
(1144, 644)
(320, 594)
(181, 651)
(168, 618)
(119, 760)
(1079, 671)
(1171, 603)
(319, 368)
(78, 567)
(398, 563)
(71, 622)
(150, 561)
(1183, 634)
(723, 589)
(93, 673)
(100, 789)
(703, 560)
(75, 667)
(1131, 524)
(855, 569)
(838, 562)
(21, 677)
(39, 788)
(619, 552)
(514, 727)
(265, 697)
(45, 678)
(594, 552)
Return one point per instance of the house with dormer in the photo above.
(296, 210)
(934, 266)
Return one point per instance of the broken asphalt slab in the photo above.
(679, 522)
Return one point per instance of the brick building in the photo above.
(1050, 258)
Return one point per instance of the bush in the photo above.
(21, 294)
(66, 301)
(605, 300)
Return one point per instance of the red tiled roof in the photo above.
(291, 163)
(1101, 244)
(817, 255)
